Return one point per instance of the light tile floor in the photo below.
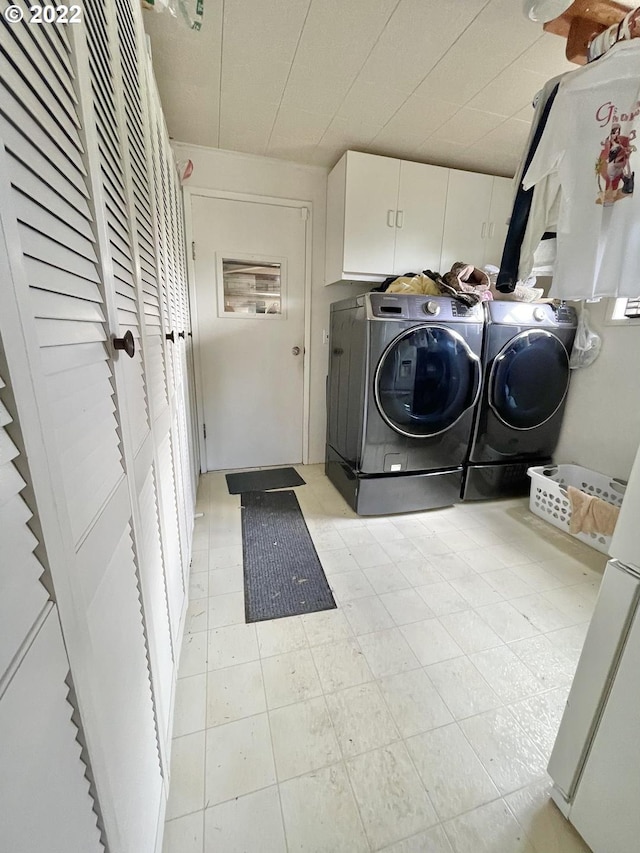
(418, 717)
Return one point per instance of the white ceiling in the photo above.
(448, 82)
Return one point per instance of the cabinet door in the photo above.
(371, 200)
(420, 219)
(499, 213)
(467, 219)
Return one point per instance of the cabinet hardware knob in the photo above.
(171, 337)
(181, 335)
(126, 343)
(295, 350)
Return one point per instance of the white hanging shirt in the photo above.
(590, 144)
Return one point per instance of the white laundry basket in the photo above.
(548, 497)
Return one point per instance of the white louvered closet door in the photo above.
(168, 215)
(177, 518)
(133, 554)
(76, 262)
(41, 761)
(156, 574)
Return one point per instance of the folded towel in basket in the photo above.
(590, 514)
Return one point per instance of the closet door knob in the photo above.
(181, 335)
(126, 343)
(171, 337)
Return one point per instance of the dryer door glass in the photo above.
(426, 380)
(529, 379)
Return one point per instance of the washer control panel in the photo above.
(539, 314)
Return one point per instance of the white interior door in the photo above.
(250, 284)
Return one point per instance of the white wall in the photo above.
(601, 427)
(245, 173)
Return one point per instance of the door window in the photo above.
(251, 288)
(426, 380)
(529, 379)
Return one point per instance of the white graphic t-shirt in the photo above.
(590, 143)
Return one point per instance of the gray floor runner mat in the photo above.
(282, 572)
(262, 481)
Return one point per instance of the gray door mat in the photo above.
(262, 481)
(282, 572)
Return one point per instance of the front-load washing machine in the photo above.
(526, 378)
(404, 378)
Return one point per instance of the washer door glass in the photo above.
(529, 379)
(426, 380)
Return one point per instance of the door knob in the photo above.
(295, 350)
(126, 343)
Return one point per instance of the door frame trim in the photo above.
(187, 193)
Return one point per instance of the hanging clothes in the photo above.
(589, 145)
(530, 215)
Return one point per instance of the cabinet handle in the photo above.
(391, 218)
(483, 232)
(492, 228)
(399, 218)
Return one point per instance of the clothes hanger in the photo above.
(579, 22)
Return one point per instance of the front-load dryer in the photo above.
(404, 378)
(526, 379)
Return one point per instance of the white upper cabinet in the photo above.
(420, 217)
(384, 217)
(476, 221)
(370, 213)
(389, 217)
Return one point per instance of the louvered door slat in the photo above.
(23, 596)
(51, 305)
(27, 141)
(41, 762)
(56, 34)
(155, 593)
(60, 132)
(17, 53)
(45, 221)
(123, 689)
(75, 212)
(86, 376)
(54, 333)
(22, 147)
(45, 277)
(37, 245)
(173, 562)
(57, 65)
(103, 123)
(85, 398)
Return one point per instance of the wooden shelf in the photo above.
(583, 20)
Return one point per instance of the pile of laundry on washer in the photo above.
(464, 282)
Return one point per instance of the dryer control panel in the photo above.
(411, 306)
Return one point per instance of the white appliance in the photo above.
(595, 762)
